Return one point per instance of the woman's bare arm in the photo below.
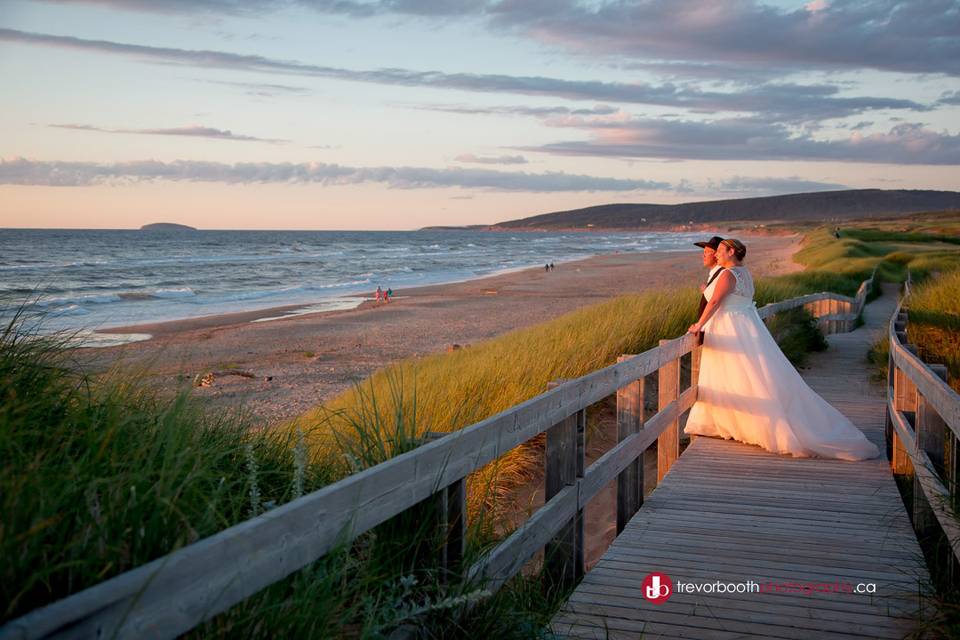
(726, 282)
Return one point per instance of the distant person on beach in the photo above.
(379, 294)
(388, 295)
(836, 233)
(546, 267)
(552, 267)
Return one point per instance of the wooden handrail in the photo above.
(944, 399)
(171, 595)
(923, 427)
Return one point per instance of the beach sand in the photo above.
(300, 361)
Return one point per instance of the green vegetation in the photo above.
(935, 322)
(101, 476)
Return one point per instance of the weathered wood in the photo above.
(930, 431)
(905, 399)
(630, 480)
(561, 554)
(510, 555)
(614, 461)
(937, 496)
(733, 512)
(668, 444)
(944, 399)
(695, 357)
(452, 510)
(167, 597)
(173, 594)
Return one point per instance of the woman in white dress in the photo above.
(748, 389)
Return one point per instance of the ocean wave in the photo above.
(95, 298)
(179, 292)
(69, 310)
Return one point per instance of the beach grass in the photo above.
(462, 387)
(934, 324)
(103, 476)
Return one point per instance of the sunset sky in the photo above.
(395, 114)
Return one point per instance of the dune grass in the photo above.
(102, 476)
(454, 390)
(935, 322)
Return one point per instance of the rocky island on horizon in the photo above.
(167, 226)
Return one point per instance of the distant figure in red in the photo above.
(379, 294)
(386, 296)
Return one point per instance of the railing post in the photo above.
(905, 401)
(563, 555)
(451, 510)
(695, 374)
(629, 421)
(930, 432)
(668, 444)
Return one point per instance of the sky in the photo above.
(398, 114)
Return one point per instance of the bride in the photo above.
(748, 390)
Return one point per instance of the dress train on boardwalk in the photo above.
(749, 391)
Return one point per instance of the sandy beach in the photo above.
(280, 368)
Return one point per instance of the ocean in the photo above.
(84, 280)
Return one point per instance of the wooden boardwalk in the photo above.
(732, 512)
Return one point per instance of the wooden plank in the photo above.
(560, 553)
(945, 401)
(610, 464)
(509, 556)
(668, 389)
(937, 495)
(629, 422)
(930, 430)
(734, 512)
(172, 594)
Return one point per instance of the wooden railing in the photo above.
(923, 427)
(175, 593)
(835, 313)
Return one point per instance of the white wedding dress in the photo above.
(749, 391)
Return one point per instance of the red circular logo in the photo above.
(657, 587)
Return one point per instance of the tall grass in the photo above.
(98, 478)
(457, 389)
(101, 476)
(935, 322)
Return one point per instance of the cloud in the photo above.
(190, 132)
(262, 89)
(771, 186)
(173, 7)
(778, 101)
(752, 139)
(519, 110)
(917, 36)
(469, 157)
(950, 98)
(21, 171)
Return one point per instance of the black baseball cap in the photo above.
(713, 243)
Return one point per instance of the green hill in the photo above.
(825, 206)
